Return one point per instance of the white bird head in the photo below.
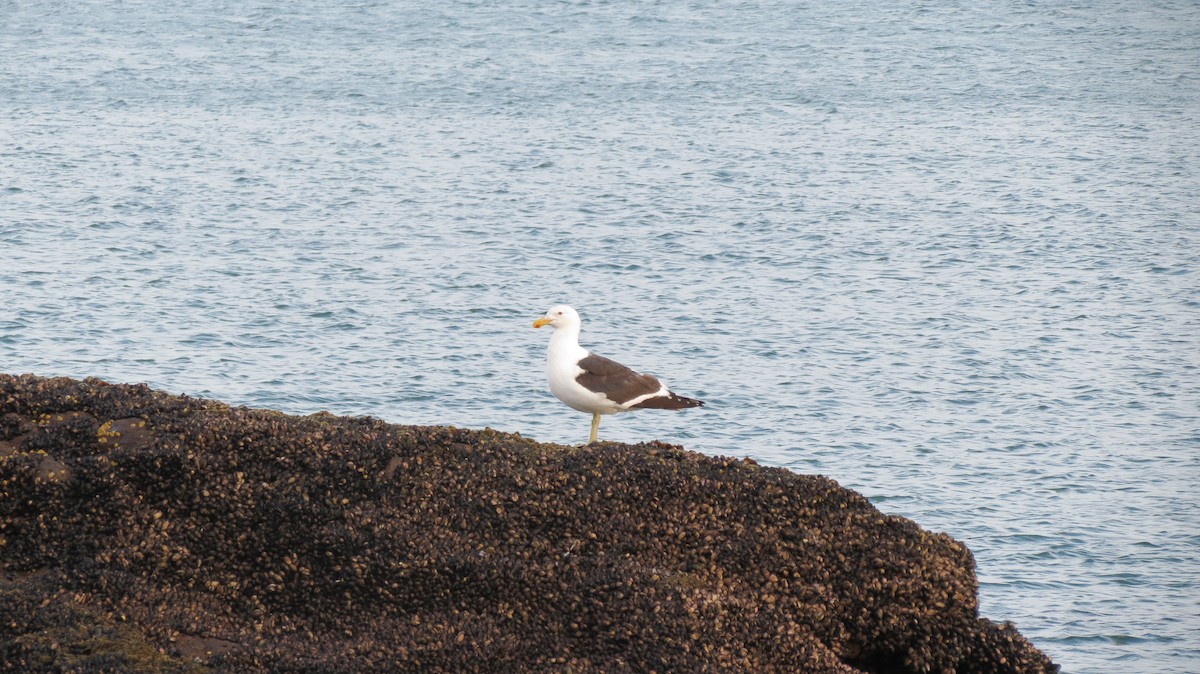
(558, 316)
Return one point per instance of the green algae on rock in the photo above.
(194, 536)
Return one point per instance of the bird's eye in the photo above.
(560, 313)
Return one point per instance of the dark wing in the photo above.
(615, 381)
(668, 402)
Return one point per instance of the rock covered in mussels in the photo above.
(141, 531)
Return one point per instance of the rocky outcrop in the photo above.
(141, 531)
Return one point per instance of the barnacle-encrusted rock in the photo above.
(141, 531)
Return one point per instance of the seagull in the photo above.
(592, 383)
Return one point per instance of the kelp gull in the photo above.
(591, 383)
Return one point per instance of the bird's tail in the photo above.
(670, 401)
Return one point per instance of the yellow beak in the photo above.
(541, 321)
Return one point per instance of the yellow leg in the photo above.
(595, 427)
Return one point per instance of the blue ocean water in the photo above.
(944, 253)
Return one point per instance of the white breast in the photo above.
(561, 370)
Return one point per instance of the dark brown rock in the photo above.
(141, 531)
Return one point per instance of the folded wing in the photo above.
(622, 385)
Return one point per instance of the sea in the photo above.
(945, 253)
